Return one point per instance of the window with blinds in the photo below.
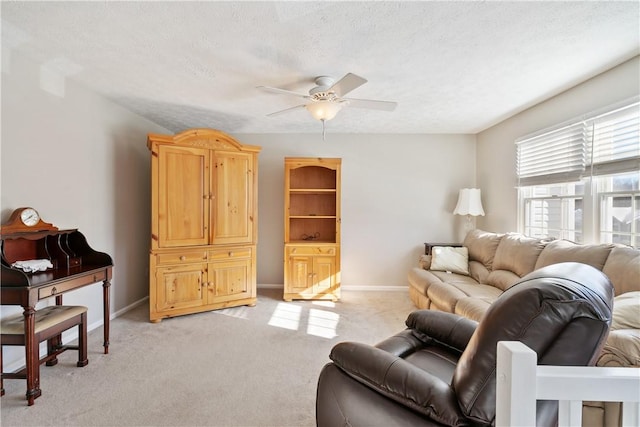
(581, 180)
(555, 156)
(615, 141)
(602, 144)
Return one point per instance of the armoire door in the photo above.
(183, 196)
(233, 210)
(180, 287)
(229, 280)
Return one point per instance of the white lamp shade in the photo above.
(323, 110)
(469, 202)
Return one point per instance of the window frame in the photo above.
(567, 203)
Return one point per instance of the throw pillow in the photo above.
(448, 258)
(626, 311)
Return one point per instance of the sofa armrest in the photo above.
(399, 380)
(449, 329)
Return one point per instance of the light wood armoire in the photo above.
(203, 223)
(312, 228)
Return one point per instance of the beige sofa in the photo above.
(466, 280)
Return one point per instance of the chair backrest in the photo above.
(562, 312)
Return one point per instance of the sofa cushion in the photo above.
(444, 297)
(626, 311)
(517, 253)
(622, 267)
(478, 271)
(476, 290)
(482, 246)
(473, 307)
(559, 251)
(421, 279)
(478, 300)
(502, 279)
(621, 349)
(448, 258)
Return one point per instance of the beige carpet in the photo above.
(243, 366)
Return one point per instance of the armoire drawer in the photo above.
(182, 257)
(220, 254)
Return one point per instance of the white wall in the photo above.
(82, 162)
(398, 191)
(497, 152)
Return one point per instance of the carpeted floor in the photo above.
(243, 366)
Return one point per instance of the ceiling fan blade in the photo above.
(283, 91)
(372, 104)
(285, 111)
(346, 84)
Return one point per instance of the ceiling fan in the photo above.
(327, 98)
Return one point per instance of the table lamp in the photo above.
(469, 204)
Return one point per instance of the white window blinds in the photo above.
(558, 155)
(601, 144)
(615, 141)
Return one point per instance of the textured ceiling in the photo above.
(453, 67)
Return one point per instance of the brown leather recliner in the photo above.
(442, 369)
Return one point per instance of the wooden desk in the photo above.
(76, 265)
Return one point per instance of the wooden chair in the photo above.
(50, 322)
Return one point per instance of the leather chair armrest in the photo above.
(401, 344)
(449, 329)
(400, 381)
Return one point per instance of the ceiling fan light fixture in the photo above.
(323, 110)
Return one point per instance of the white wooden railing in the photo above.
(520, 382)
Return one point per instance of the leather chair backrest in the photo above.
(562, 312)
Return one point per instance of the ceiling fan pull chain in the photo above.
(323, 129)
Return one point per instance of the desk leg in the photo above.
(106, 312)
(32, 356)
(56, 342)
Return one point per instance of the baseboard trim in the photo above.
(364, 288)
(373, 288)
(130, 307)
(270, 286)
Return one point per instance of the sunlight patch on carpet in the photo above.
(322, 323)
(238, 312)
(286, 316)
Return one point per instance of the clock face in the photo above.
(29, 217)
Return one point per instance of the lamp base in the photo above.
(467, 226)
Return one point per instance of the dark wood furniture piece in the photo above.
(50, 323)
(428, 247)
(75, 265)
